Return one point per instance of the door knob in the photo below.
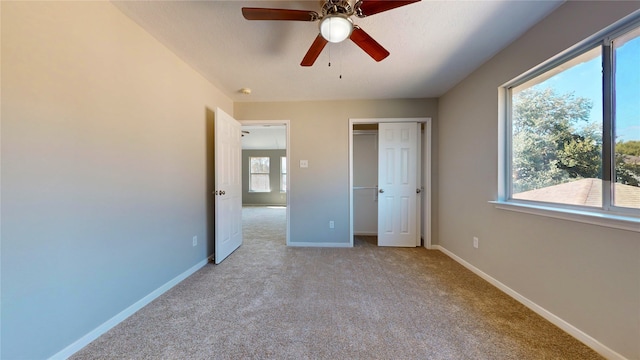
(381, 191)
(418, 191)
(222, 192)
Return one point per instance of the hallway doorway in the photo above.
(265, 177)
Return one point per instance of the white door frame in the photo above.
(426, 172)
(287, 126)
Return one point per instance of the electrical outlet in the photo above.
(331, 224)
(475, 242)
(195, 240)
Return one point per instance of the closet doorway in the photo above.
(389, 179)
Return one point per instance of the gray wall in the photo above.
(275, 197)
(587, 275)
(319, 132)
(103, 170)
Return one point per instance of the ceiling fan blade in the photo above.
(369, 7)
(314, 51)
(278, 14)
(366, 43)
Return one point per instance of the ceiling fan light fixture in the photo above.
(336, 28)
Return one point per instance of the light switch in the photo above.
(304, 163)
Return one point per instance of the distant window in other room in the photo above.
(259, 174)
(283, 174)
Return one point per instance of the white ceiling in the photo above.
(433, 45)
(264, 137)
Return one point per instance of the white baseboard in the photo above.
(567, 327)
(365, 233)
(109, 324)
(265, 205)
(323, 244)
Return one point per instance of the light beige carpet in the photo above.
(267, 301)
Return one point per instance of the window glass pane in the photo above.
(260, 165)
(556, 153)
(260, 182)
(626, 192)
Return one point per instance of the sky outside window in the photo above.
(627, 78)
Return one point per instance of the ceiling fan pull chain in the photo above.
(340, 56)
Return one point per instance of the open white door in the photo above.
(228, 185)
(397, 184)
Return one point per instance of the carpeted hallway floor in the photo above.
(267, 301)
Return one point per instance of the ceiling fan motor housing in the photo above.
(334, 7)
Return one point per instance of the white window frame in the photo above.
(608, 214)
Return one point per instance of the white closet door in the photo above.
(397, 182)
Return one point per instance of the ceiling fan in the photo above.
(335, 23)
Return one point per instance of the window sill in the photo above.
(615, 221)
